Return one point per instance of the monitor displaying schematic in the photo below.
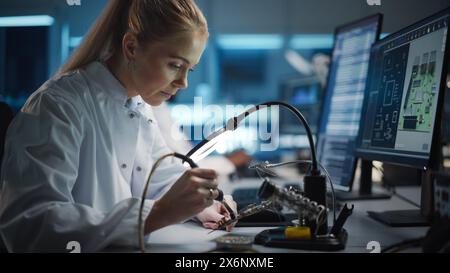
(404, 94)
(341, 109)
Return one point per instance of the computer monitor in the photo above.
(404, 101)
(304, 94)
(341, 109)
(446, 116)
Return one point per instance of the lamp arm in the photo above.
(233, 123)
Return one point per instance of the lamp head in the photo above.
(208, 145)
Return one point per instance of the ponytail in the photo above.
(149, 20)
(103, 39)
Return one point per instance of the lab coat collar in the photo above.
(100, 72)
(108, 81)
(134, 103)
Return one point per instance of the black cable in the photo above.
(187, 159)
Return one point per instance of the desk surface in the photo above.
(192, 238)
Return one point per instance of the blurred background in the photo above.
(259, 50)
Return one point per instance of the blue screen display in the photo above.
(339, 123)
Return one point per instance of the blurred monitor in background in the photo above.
(343, 99)
(305, 95)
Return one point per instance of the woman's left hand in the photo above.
(214, 213)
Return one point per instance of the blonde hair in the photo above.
(149, 20)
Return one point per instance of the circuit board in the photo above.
(417, 111)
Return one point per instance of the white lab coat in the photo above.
(178, 142)
(75, 162)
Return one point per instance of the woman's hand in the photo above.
(194, 191)
(214, 213)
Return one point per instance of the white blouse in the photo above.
(76, 159)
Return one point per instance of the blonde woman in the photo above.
(79, 152)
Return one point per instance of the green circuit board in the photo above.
(417, 111)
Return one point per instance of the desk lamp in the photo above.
(314, 184)
(206, 146)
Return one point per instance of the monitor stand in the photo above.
(424, 215)
(365, 187)
(413, 217)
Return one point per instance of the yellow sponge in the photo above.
(297, 233)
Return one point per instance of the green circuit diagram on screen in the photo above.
(417, 111)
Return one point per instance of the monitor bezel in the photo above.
(378, 18)
(445, 126)
(402, 160)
